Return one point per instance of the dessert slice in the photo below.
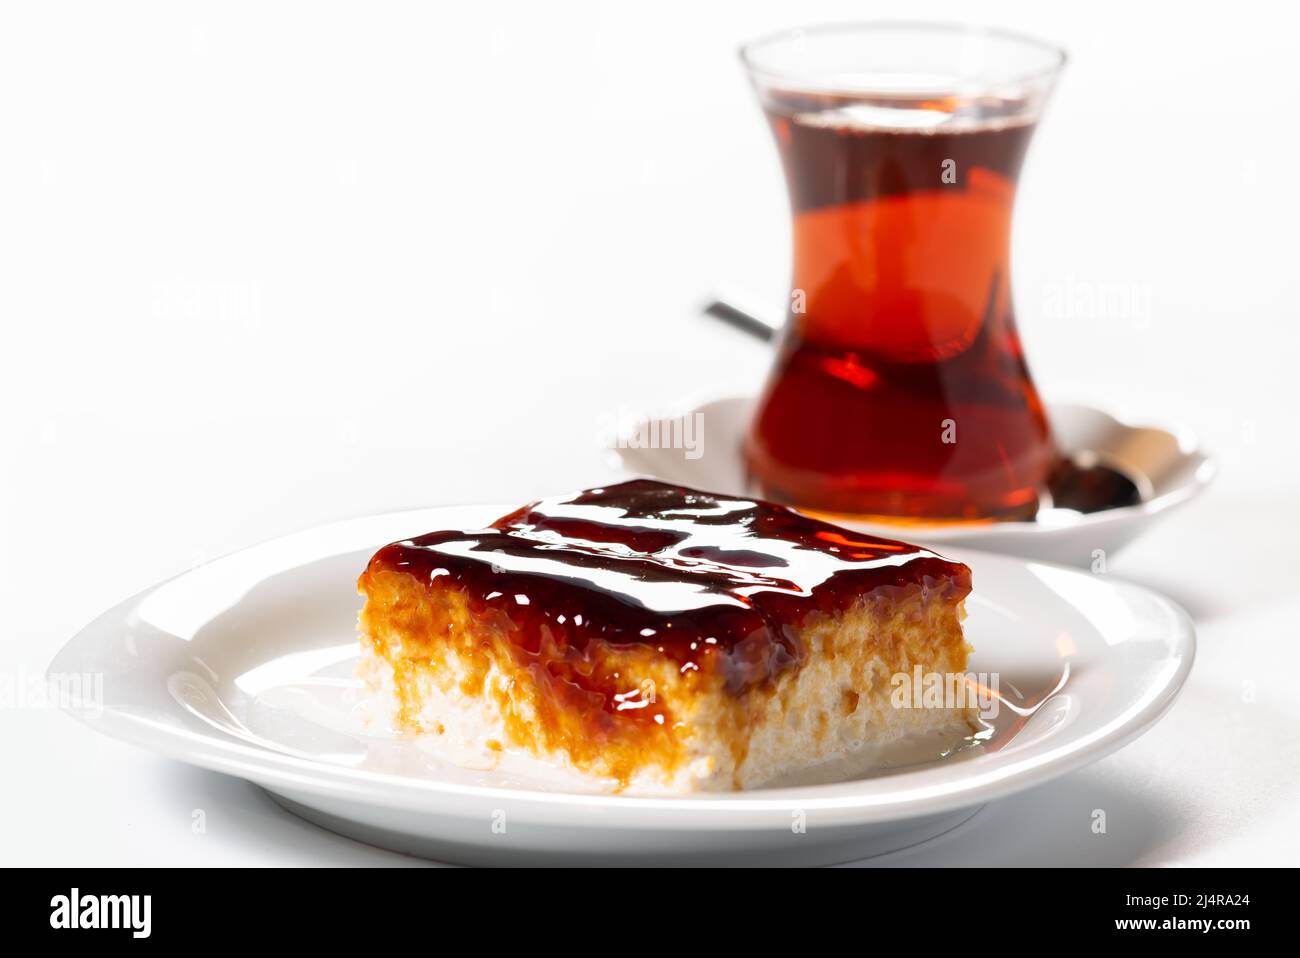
(661, 636)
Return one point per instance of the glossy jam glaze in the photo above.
(709, 580)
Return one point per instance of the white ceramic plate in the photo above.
(244, 666)
(1174, 470)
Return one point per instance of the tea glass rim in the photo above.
(806, 81)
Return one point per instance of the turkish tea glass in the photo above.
(899, 389)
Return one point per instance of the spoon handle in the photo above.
(747, 320)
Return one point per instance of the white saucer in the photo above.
(1173, 471)
(244, 666)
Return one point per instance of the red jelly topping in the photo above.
(692, 573)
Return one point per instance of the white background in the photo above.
(266, 265)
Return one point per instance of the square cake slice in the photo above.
(662, 637)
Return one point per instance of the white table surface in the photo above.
(264, 266)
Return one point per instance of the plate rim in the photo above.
(704, 811)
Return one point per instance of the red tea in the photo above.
(900, 388)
